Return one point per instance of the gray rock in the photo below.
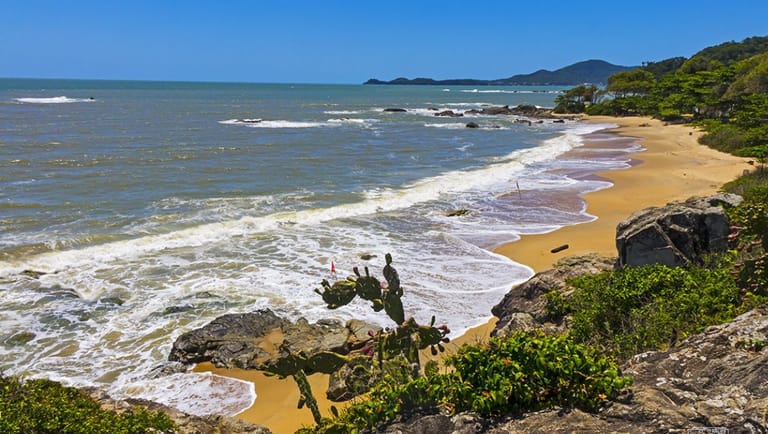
(249, 340)
(449, 114)
(523, 307)
(715, 378)
(676, 234)
(462, 423)
(230, 341)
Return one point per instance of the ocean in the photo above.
(132, 212)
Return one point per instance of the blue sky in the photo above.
(335, 41)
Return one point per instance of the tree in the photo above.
(634, 82)
(575, 100)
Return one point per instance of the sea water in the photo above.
(132, 212)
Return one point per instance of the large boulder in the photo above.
(717, 378)
(676, 234)
(250, 340)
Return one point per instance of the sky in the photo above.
(334, 41)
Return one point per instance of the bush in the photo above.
(42, 407)
(524, 372)
(637, 309)
(532, 371)
(750, 220)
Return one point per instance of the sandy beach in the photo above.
(673, 167)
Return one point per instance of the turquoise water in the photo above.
(152, 208)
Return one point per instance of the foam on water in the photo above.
(195, 393)
(53, 100)
(260, 123)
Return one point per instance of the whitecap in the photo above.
(342, 112)
(194, 393)
(53, 100)
(259, 123)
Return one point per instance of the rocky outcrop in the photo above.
(250, 340)
(676, 234)
(520, 110)
(523, 307)
(449, 114)
(716, 379)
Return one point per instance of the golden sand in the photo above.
(673, 167)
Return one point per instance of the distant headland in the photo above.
(588, 71)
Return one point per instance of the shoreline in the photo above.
(673, 166)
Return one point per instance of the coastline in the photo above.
(674, 166)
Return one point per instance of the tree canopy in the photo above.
(723, 88)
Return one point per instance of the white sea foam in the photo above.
(260, 123)
(342, 112)
(508, 91)
(355, 121)
(195, 393)
(448, 125)
(53, 100)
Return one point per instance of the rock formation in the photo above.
(715, 379)
(523, 307)
(250, 340)
(676, 234)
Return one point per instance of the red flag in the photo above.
(333, 268)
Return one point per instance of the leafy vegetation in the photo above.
(637, 309)
(42, 407)
(521, 373)
(750, 234)
(723, 89)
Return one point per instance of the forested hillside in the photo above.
(723, 89)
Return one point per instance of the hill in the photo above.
(588, 71)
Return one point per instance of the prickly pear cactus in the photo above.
(395, 349)
(340, 294)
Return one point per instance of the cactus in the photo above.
(389, 347)
(297, 365)
(340, 294)
(306, 396)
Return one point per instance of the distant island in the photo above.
(588, 71)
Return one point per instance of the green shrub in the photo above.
(637, 309)
(531, 371)
(521, 373)
(42, 407)
(750, 220)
